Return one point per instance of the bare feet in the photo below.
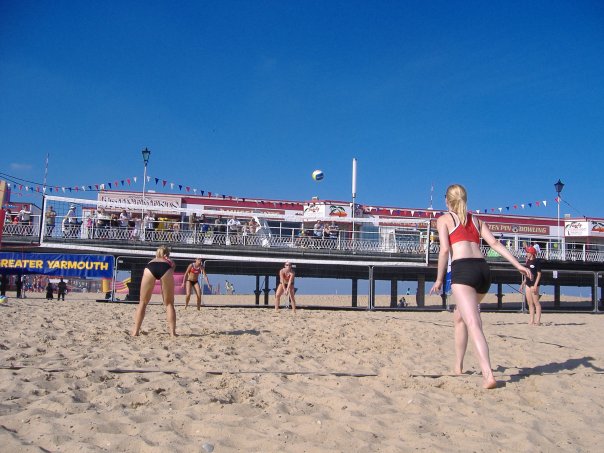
(489, 382)
(458, 370)
(134, 333)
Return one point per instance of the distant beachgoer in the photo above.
(532, 286)
(286, 286)
(19, 287)
(49, 291)
(191, 280)
(459, 233)
(61, 289)
(3, 284)
(159, 268)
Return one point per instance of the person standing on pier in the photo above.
(459, 234)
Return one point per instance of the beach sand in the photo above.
(252, 380)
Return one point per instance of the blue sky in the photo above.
(247, 98)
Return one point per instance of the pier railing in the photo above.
(388, 239)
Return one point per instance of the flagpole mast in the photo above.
(354, 193)
(45, 174)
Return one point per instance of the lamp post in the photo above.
(146, 154)
(559, 186)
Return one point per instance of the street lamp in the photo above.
(559, 186)
(146, 154)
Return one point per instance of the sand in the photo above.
(252, 380)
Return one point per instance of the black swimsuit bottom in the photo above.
(158, 268)
(472, 272)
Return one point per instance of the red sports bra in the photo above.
(195, 270)
(469, 232)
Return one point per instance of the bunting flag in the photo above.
(180, 186)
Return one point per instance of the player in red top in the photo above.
(191, 280)
(286, 285)
(459, 234)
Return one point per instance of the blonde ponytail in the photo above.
(457, 198)
(162, 252)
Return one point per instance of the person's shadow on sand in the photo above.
(551, 368)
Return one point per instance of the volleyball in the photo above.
(3, 299)
(317, 175)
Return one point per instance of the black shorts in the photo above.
(474, 272)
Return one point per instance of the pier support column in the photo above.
(393, 293)
(371, 302)
(600, 279)
(499, 296)
(556, 295)
(257, 290)
(421, 291)
(266, 290)
(443, 297)
(355, 291)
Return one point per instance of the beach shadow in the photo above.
(253, 332)
(566, 367)
(562, 346)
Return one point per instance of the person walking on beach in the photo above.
(61, 289)
(49, 291)
(191, 280)
(159, 268)
(531, 286)
(459, 234)
(286, 286)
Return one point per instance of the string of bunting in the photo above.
(434, 213)
(39, 188)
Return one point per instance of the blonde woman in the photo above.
(159, 268)
(459, 235)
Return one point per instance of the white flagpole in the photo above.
(354, 192)
(45, 174)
